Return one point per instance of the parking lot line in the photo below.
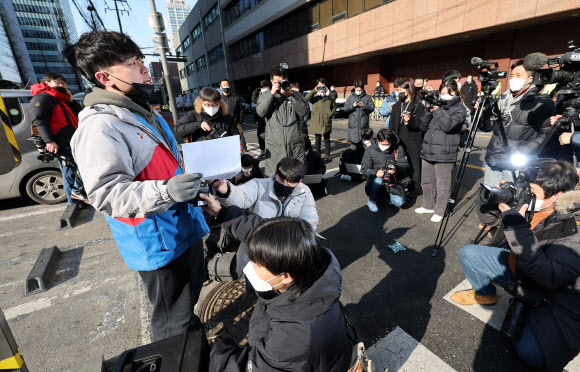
(35, 213)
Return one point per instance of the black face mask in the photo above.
(282, 191)
(142, 93)
(402, 96)
(226, 90)
(61, 90)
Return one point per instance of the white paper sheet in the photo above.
(215, 159)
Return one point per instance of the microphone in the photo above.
(481, 63)
(535, 61)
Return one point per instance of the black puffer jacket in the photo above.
(374, 160)
(526, 122)
(189, 125)
(442, 132)
(550, 256)
(358, 117)
(288, 331)
(235, 108)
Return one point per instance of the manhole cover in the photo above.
(231, 304)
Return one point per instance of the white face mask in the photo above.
(538, 205)
(247, 170)
(211, 111)
(469, 80)
(259, 284)
(517, 84)
(332, 89)
(384, 147)
(358, 93)
(367, 143)
(378, 84)
(265, 90)
(458, 86)
(446, 97)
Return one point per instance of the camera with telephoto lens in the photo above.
(284, 84)
(388, 178)
(524, 298)
(45, 156)
(515, 194)
(431, 98)
(567, 78)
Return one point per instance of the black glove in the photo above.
(184, 187)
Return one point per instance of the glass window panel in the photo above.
(325, 13)
(354, 7)
(370, 4)
(314, 14)
(338, 6)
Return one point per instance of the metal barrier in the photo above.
(378, 101)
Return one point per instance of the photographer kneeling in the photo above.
(541, 256)
(385, 165)
(297, 323)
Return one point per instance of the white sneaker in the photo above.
(345, 177)
(424, 211)
(436, 218)
(372, 206)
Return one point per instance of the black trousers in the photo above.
(174, 290)
(261, 138)
(317, 143)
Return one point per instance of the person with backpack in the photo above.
(54, 114)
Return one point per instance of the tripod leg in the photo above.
(480, 236)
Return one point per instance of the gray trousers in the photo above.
(436, 185)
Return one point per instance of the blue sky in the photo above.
(134, 24)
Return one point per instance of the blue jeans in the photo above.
(481, 264)
(71, 178)
(376, 190)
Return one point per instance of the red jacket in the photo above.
(47, 115)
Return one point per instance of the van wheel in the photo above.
(46, 187)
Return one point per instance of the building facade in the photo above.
(201, 42)
(380, 40)
(156, 71)
(44, 28)
(177, 11)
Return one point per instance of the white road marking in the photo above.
(494, 315)
(398, 351)
(29, 307)
(35, 213)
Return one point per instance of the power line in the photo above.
(94, 9)
(81, 13)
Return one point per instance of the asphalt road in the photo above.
(96, 306)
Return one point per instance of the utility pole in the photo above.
(161, 46)
(117, 11)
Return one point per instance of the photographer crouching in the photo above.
(385, 165)
(297, 323)
(539, 262)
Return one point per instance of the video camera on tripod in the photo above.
(567, 78)
(432, 98)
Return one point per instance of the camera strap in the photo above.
(67, 118)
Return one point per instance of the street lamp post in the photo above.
(161, 45)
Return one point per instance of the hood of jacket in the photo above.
(315, 300)
(43, 88)
(198, 107)
(569, 203)
(102, 96)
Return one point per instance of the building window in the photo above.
(201, 63)
(190, 69)
(41, 46)
(211, 17)
(325, 7)
(238, 9)
(355, 7)
(196, 33)
(216, 55)
(186, 43)
(182, 72)
(371, 4)
(28, 21)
